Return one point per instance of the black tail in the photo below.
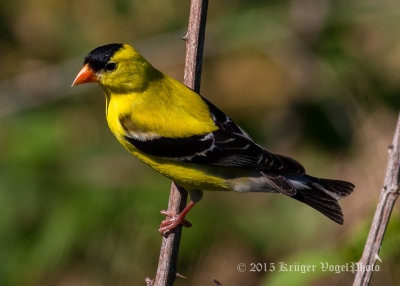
(323, 195)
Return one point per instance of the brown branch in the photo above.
(387, 199)
(194, 44)
(167, 264)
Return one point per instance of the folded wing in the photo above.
(229, 146)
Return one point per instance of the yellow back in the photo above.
(154, 102)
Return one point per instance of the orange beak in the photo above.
(85, 75)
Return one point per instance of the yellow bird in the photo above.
(185, 137)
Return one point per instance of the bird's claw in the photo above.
(172, 221)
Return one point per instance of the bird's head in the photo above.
(117, 68)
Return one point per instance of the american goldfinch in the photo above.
(185, 137)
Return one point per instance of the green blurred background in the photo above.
(314, 79)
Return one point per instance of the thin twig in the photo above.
(194, 44)
(387, 199)
(167, 269)
(167, 264)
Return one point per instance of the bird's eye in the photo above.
(110, 66)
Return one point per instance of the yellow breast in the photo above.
(176, 114)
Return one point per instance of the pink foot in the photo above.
(172, 221)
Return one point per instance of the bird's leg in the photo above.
(173, 220)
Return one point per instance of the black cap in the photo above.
(100, 56)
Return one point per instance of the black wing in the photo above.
(223, 121)
(229, 146)
(256, 156)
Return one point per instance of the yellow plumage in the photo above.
(186, 138)
(149, 102)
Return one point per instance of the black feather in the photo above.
(322, 195)
(100, 56)
(229, 146)
(172, 147)
(280, 183)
